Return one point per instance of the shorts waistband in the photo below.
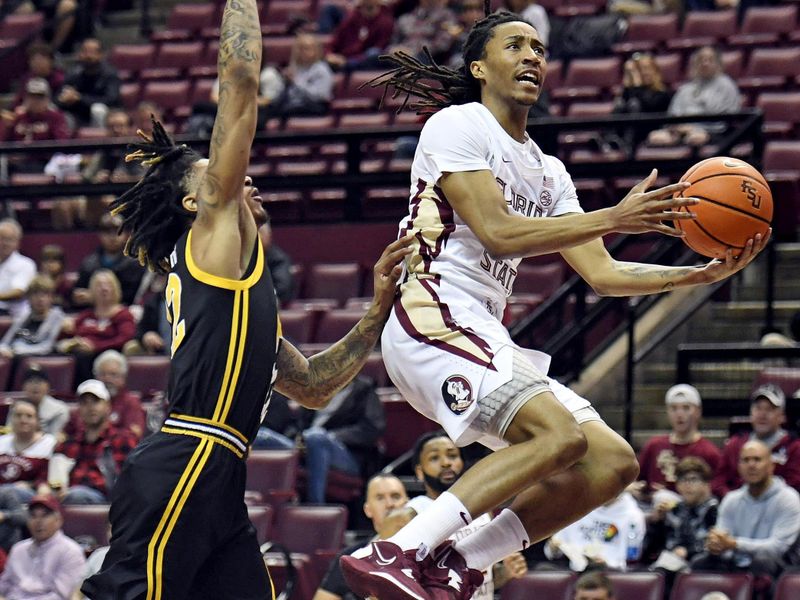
(217, 432)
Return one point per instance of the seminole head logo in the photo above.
(457, 393)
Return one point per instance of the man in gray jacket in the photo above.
(758, 523)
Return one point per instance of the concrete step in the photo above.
(753, 310)
(786, 288)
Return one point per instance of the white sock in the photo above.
(492, 543)
(433, 525)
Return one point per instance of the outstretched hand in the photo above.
(388, 269)
(719, 269)
(642, 211)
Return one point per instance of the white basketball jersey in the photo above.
(468, 138)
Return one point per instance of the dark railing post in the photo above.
(145, 25)
(769, 309)
(352, 205)
(630, 368)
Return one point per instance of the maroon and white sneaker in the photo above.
(447, 576)
(383, 570)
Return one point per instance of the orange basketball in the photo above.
(735, 205)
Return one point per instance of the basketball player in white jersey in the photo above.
(484, 196)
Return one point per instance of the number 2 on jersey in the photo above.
(173, 294)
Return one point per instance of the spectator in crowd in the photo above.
(279, 264)
(41, 63)
(110, 255)
(341, 436)
(645, 7)
(469, 11)
(16, 271)
(107, 325)
(685, 525)
(308, 81)
(643, 88)
(35, 329)
(437, 463)
(385, 493)
(661, 454)
(36, 119)
(533, 13)
(709, 91)
(758, 523)
(361, 37)
(431, 24)
(53, 413)
(144, 114)
(24, 456)
(767, 416)
(97, 448)
(48, 564)
(593, 586)
(610, 537)
(127, 413)
(92, 87)
(715, 596)
(103, 166)
(53, 264)
(154, 331)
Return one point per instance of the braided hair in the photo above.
(152, 210)
(449, 86)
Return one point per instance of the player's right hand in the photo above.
(641, 211)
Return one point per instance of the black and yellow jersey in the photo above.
(225, 335)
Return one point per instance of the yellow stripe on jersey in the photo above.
(224, 282)
(229, 366)
(154, 571)
(240, 354)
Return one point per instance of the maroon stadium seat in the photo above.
(693, 586)
(781, 112)
(671, 65)
(17, 27)
(589, 110)
(538, 279)
(764, 25)
(787, 378)
(782, 155)
(552, 585)
(645, 32)
(192, 17)
(403, 424)
(306, 578)
(336, 323)
(702, 28)
(273, 474)
(322, 123)
(202, 90)
(645, 585)
(129, 94)
(788, 587)
(261, 517)
(168, 95)
(278, 50)
(180, 55)
(147, 374)
(5, 372)
(375, 369)
(555, 75)
(365, 120)
(588, 77)
(132, 58)
(334, 280)
(298, 325)
(60, 370)
(90, 520)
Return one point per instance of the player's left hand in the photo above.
(515, 565)
(719, 269)
(388, 269)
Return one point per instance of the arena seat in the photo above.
(130, 93)
(334, 280)
(553, 585)
(306, 124)
(644, 585)
(375, 369)
(278, 49)
(87, 519)
(403, 424)
(788, 587)
(273, 474)
(770, 68)
(169, 95)
(781, 112)
(17, 27)
(283, 207)
(588, 78)
(147, 374)
(733, 62)
(201, 92)
(261, 517)
(647, 32)
(671, 65)
(692, 586)
(326, 205)
(540, 279)
(787, 378)
(364, 120)
(336, 323)
(782, 155)
(180, 55)
(765, 25)
(186, 20)
(306, 582)
(129, 59)
(298, 325)
(590, 110)
(60, 370)
(704, 28)
(385, 202)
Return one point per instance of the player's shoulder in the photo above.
(470, 114)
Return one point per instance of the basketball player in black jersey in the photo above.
(179, 523)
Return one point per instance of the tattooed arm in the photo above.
(314, 381)
(609, 277)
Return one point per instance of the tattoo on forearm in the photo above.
(240, 35)
(667, 277)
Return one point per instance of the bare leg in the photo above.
(65, 15)
(545, 440)
(606, 469)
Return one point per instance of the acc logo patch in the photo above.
(457, 393)
(545, 198)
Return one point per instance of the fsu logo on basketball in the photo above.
(457, 393)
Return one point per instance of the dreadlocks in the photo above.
(152, 209)
(450, 86)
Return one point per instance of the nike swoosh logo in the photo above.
(384, 562)
(504, 160)
(731, 164)
(464, 518)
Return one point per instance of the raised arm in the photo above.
(477, 199)
(313, 381)
(239, 65)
